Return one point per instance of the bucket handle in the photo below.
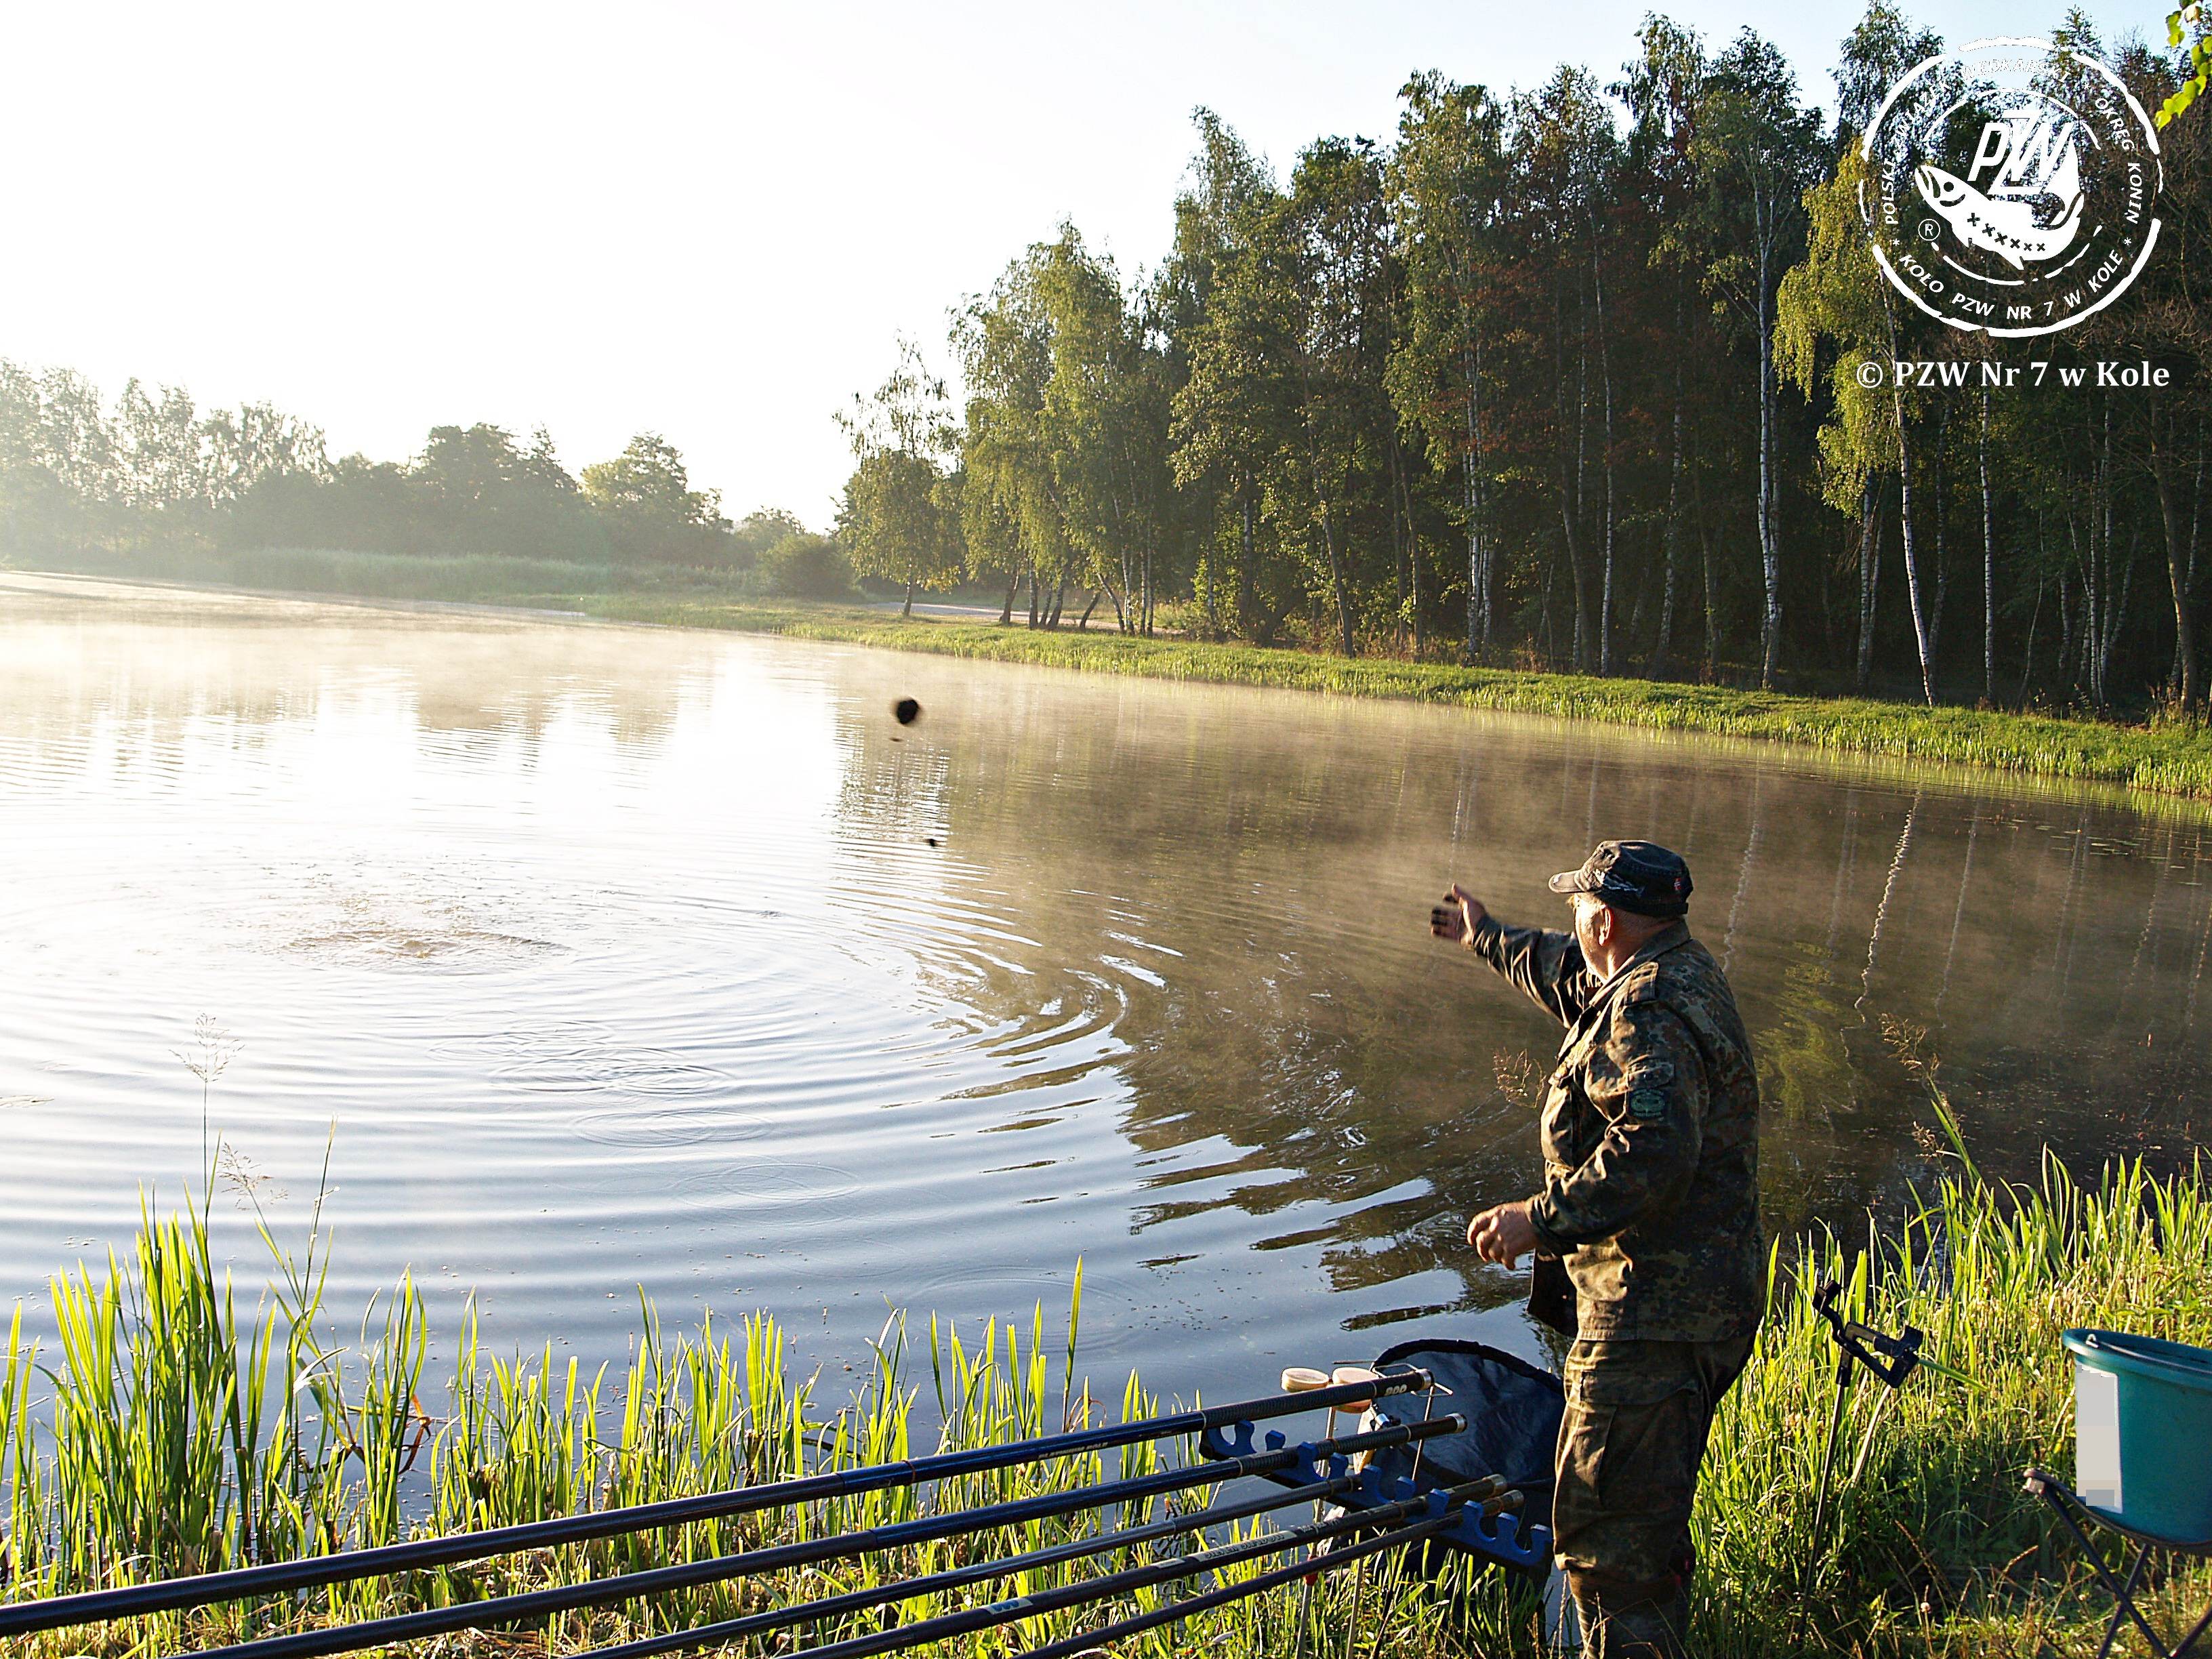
(2202, 1371)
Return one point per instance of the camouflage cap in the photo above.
(1640, 875)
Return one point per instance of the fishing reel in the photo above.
(1900, 1354)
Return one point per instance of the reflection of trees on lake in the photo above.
(1248, 882)
(474, 685)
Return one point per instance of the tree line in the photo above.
(1565, 376)
(153, 470)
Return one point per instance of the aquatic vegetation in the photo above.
(173, 1429)
(2171, 758)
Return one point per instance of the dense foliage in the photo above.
(1565, 376)
(152, 474)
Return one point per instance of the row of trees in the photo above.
(1566, 375)
(151, 469)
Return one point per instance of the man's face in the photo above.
(1593, 925)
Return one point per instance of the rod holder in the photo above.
(1496, 1534)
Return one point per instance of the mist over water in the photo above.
(600, 957)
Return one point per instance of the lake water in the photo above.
(601, 958)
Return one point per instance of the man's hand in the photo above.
(1502, 1234)
(1458, 916)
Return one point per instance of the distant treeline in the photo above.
(1567, 376)
(152, 473)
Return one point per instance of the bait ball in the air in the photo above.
(907, 710)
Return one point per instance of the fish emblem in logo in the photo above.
(2007, 226)
(2031, 212)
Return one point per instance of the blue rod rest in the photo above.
(1499, 1537)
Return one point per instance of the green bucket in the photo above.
(2142, 1432)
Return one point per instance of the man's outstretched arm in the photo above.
(1547, 965)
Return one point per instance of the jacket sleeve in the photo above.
(1548, 966)
(1648, 1081)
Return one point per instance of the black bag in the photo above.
(1551, 1296)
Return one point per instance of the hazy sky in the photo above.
(710, 221)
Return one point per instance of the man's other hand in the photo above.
(1458, 916)
(1502, 1234)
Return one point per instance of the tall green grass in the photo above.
(1938, 1549)
(2166, 757)
(175, 1428)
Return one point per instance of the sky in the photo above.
(712, 221)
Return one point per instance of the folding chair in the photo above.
(2068, 1504)
(2143, 1453)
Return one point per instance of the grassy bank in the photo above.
(2173, 759)
(173, 1429)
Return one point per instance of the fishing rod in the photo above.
(272, 1578)
(1272, 1578)
(1174, 1526)
(1436, 1510)
(626, 1587)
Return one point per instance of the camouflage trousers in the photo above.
(1634, 1433)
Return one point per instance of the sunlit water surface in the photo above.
(599, 959)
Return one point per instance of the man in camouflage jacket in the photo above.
(1651, 1199)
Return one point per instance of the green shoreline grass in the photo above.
(177, 1429)
(2173, 759)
